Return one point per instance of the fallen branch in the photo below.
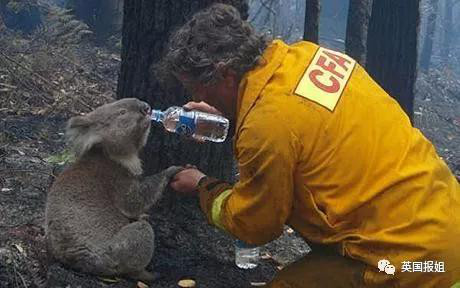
(18, 79)
(28, 69)
(81, 67)
(25, 171)
(8, 86)
(19, 274)
(53, 85)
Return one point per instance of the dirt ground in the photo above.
(186, 247)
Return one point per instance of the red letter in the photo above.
(329, 89)
(328, 67)
(338, 59)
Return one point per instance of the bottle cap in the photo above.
(156, 115)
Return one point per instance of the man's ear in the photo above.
(230, 77)
(226, 72)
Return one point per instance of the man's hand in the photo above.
(187, 180)
(203, 107)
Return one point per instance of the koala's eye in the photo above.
(122, 112)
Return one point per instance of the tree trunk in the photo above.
(429, 37)
(109, 16)
(392, 48)
(359, 13)
(147, 25)
(447, 32)
(311, 26)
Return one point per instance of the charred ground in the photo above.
(43, 83)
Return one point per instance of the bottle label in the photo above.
(186, 125)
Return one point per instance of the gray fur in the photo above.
(95, 208)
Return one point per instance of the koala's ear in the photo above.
(80, 136)
(79, 122)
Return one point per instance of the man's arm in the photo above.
(257, 207)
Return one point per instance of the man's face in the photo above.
(222, 95)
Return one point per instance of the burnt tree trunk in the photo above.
(147, 25)
(109, 18)
(311, 26)
(359, 13)
(427, 49)
(392, 48)
(447, 32)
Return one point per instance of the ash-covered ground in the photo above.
(33, 112)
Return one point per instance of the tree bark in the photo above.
(146, 28)
(109, 18)
(392, 48)
(359, 13)
(427, 50)
(447, 32)
(311, 26)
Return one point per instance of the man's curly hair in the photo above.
(215, 39)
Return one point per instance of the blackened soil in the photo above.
(186, 246)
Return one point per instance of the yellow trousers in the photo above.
(321, 268)
(324, 268)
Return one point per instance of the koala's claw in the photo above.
(172, 171)
(159, 182)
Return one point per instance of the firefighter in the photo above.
(322, 148)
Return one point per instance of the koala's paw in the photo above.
(172, 171)
(159, 182)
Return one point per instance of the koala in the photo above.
(95, 208)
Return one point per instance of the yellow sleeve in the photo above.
(257, 207)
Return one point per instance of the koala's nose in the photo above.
(145, 108)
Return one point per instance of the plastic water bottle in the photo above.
(198, 125)
(246, 255)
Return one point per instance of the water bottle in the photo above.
(198, 125)
(246, 255)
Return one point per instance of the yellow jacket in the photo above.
(322, 148)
